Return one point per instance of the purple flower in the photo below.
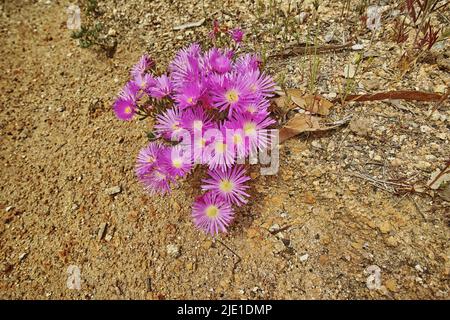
(254, 128)
(189, 95)
(228, 184)
(144, 63)
(124, 109)
(148, 158)
(237, 35)
(260, 84)
(176, 161)
(185, 67)
(218, 153)
(144, 82)
(230, 92)
(196, 119)
(157, 181)
(218, 61)
(162, 87)
(211, 214)
(247, 62)
(258, 107)
(168, 123)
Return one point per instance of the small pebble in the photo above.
(113, 190)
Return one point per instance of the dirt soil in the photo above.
(312, 231)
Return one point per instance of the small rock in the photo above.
(304, 257)
(391, 241)
(23, 256)
(385, 227)
(101, 231)
(110, 233)
(274, 227)
(423, 165)
(360, 126)
(391, 285)
(173, 250)
(7, 209)
(373, 281)
(207, 244)
(396, 162)
(425, 129)
(309, 198)
(112, 32)
(357, 46)
(301, 18)
(113, 190)
(419, 268)
(349, 71)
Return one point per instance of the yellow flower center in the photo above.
(128, 110)
(226, 186)
(150, 159)
(249, 128)
(232, 96)
(177, 163)
(220, 147)
(190, 100)
(212, 211)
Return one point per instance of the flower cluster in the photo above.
(215, 114)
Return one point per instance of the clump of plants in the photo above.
(414, 24)
(92, 32)
(210, 110)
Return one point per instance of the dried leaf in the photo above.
(311, 103)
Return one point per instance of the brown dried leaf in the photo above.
(302, 122)
(298, 124)
(311, 103)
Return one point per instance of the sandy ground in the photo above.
(311, 231)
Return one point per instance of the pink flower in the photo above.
(157, 181)
(218, 153)
(168, 124)
(254, 129)
(161, 88)
(247, 62)
(229, 185)
(196, 119)
(211, 214)
(185, 67)
(124, 109)
(144, 63)
(189, 95)
(219, 62)
(260, 84)
(230, 91)
(148, 158)
(237, 35)
(176, 161)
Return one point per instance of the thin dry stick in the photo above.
(234, 253)
(308, 50)
(394, 95)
